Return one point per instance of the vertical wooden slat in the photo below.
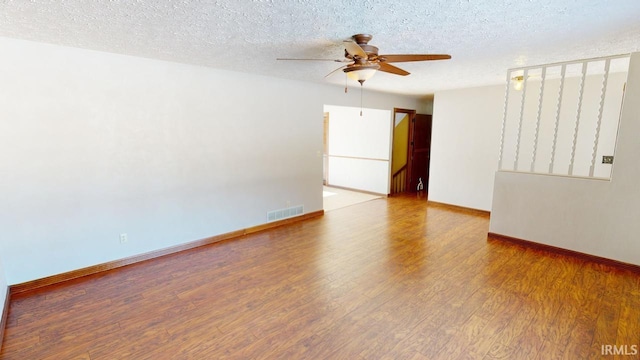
(537, 130)
(563, 71)
(524, 92)
(603, 93)
(577, 127)
(404, 180)
(504, 120)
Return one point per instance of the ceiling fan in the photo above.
(363, 59)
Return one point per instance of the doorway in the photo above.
(357, 148)
(325, 149)
(411, 151)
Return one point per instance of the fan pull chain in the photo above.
(361, 97)
(345, 82)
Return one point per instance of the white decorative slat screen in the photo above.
(565, 117)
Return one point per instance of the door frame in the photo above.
(412, 114)
(325, 149)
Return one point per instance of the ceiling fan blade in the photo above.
(392, 69)
(416, 57)
(354, 49)
(336, 70)
(334, 60)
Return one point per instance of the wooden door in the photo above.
(419, 151)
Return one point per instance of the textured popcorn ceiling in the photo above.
(484, 37)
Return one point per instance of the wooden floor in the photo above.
(386, 279)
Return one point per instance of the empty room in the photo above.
(178, 179)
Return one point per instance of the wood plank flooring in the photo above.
(387, 279)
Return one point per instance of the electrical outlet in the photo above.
(123, 238)
(607, 159)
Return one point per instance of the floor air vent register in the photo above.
(280, 214)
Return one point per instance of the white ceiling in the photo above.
(484, 37)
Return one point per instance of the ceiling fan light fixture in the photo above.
(518, 82)
(362, 73)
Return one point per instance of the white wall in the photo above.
(3, 290)
(95, 144)
(596, 217)
(464, 145)
(359, 148)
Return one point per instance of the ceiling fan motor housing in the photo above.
(362, 40)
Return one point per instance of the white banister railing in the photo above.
(605, 79)
(557, 123)
(545, 131)
(538, 114)
(504, 120)
(577, 126)
(522, 98)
